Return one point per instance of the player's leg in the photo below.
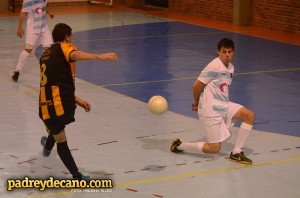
(66, 156)
(47, 143)
(247, 117)
(238, 112)
(57, 128)
(216, 132)
(194, 147)
(31, 41)
(64, 152)
(46, 39)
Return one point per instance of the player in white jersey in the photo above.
(36, 30)
(216, 113)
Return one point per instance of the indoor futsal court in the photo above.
(119, 139)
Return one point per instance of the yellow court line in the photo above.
(204, 172)
(188, 78)
(182, 176)
(57, 194)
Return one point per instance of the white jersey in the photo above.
(36, 13)
(214, 100)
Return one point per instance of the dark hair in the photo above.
(226, 43)
(60, 31)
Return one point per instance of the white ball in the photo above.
(157, 105)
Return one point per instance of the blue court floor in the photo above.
(120, 139)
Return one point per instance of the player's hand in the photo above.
(110, 55)
(195, 107)
(50, 15)
(84, 104)
(20, 32)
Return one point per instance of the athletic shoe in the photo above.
(80, 176)
(46, 152)
(15, 76)
(240, 158)
(176, 142)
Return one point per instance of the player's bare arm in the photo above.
(22, 18)
(80, 55)
(82, 103)
(198, 88)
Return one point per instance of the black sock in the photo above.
(66, 156)
(50, 143)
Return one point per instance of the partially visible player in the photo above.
(215, 111)
(57, 100)
(37, 30)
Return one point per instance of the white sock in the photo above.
(193, 147)
(243, 133)
(22, 60)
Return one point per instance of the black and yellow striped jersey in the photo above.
(57, 81)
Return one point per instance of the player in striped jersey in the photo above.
(36, 30)
(57, 101)
(216, 113)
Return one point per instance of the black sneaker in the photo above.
(46, 152)
(240, 158)
(176, 142)
(80, 176)
(15, 76)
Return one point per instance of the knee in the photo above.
(61, 137)
(249, 117)
(213, 148)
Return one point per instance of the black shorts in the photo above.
(57, 124)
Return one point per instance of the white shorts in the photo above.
(217, 128)
(45, 38)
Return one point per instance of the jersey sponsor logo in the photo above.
(224, 87)
(38, 10)
(46, 103)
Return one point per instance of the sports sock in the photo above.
(243, 133)
(22, 59)
(193, 147)
(50, 143)
(66, 156)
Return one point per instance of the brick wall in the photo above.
(275, 14)
(271, 14)
(135, 3)
(221, 10)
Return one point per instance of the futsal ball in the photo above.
(157, 105)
